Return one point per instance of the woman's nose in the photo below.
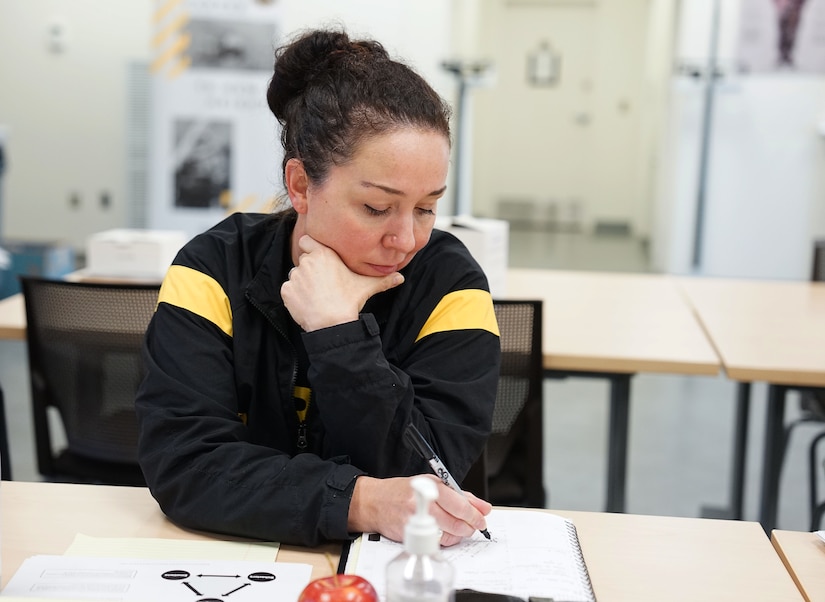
(401, 236)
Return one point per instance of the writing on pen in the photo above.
(417, 441)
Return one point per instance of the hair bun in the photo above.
(329, 93)
(298, 64)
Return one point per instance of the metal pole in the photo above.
(466, 74)
(461, 204)
(710, 85)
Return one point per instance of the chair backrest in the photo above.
(510, 471)
(84, 344)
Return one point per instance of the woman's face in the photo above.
(378, 210)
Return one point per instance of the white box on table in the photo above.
(132, 253)
(488, 242)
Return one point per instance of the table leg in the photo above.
(740, 444)
(772, 459)
(617, 441)
(5, 460)
(617, 431)
(740, 450)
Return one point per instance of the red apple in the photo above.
(339, 588)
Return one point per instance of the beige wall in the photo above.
(66, 115)
(591, 139)
(64, 110)
(584, 146)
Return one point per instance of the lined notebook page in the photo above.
(531, 553)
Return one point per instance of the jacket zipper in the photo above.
(301, 443)
(301, 440)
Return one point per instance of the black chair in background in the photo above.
(84, 344)
(812, 406)
(510, 471)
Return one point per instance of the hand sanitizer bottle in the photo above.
(419, 573)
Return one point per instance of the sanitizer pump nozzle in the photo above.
(419, 573)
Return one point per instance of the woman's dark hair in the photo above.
(329, 93)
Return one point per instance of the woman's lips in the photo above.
(384, 269)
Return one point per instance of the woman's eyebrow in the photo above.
(396, 192)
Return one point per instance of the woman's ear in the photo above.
(297, 183)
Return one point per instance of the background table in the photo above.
(13, 318)
(769, 331)
(804, 556)
(630, 558)
(602, 325)
(612, 325)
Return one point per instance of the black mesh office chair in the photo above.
(510, 470)
(812, 406)
(84, 342)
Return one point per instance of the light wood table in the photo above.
(655, 559)
(43, 518)
(601, 325)
(630, 558)
(771, 331)
(612, 325)
(13, 318)
(615, 322)
(804, 557)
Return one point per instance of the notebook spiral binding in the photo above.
(573, 535)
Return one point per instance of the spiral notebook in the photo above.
(531, 554)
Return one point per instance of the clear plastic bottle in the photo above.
(420, 573)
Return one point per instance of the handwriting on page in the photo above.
(530, 554)
(523, 544)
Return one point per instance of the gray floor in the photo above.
(680, 432)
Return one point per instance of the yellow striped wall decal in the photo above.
(164, 9)
(171, 40)
(164, 34)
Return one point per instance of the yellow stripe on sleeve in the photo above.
(201, 294)
(462, 310)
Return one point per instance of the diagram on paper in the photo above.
(127, 580)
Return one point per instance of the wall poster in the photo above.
(214, 143)
(782, 35)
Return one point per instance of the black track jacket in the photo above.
(218, 422)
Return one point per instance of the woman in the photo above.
(289, 352)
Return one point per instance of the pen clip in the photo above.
(417, 441)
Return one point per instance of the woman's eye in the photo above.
(425, 211)
(374, 211)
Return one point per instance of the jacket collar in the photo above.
(264, 290)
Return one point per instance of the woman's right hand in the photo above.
(384, 506)
(322, 291)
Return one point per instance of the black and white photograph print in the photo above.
(782, 35)
(202, 162)
(233, 45)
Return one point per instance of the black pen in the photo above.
(419, 444)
